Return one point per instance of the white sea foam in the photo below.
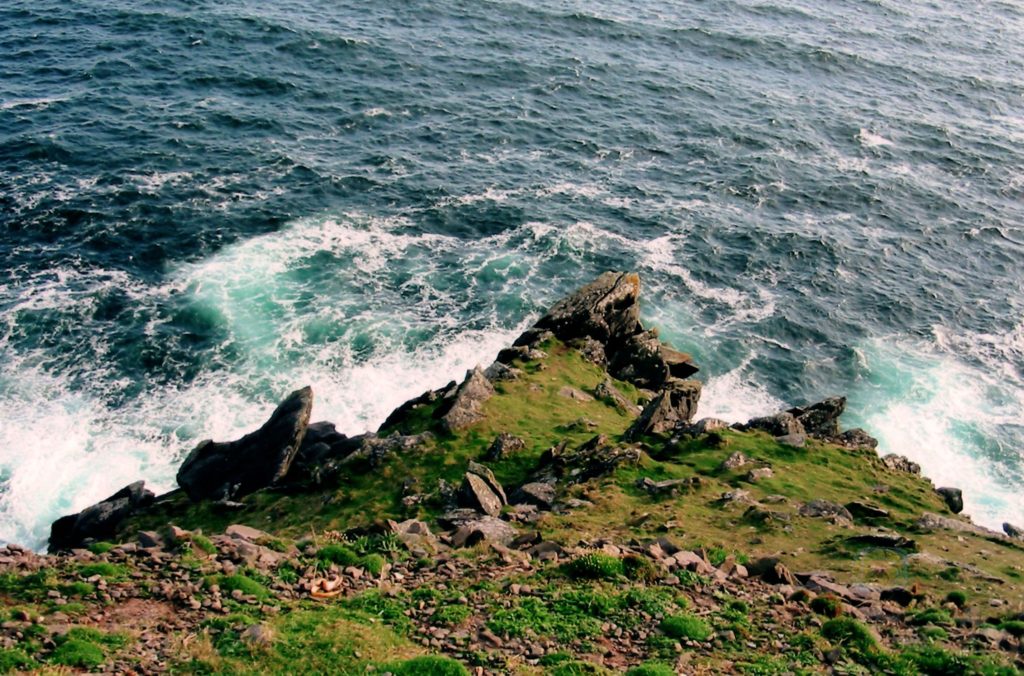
(946, 405)
(735, 396)
(870, 139)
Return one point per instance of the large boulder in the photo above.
(953, 497)
(674, 406)
(98, 521)
(224, 471)
(644, 360)
(480, 491)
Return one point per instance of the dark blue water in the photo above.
(204, 205)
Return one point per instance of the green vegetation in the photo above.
(957, 598)
(429, 665)
(450, 615)
(652, 669)
(242, 583)
(595, 566)
(685, 626)
(106, 570)
(829, 606)
(13, 659)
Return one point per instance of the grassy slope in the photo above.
(347, 638)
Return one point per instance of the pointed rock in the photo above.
(476, 494)
(607, 310)
(674, 406)
(219, 471)
(821, 419)
(953, 497)
(99, 521)
(467, 405)
(487, 475)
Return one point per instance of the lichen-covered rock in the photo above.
(899, 463)
(778, 425)
(476, 493)
(224, 471)
(597, 457)
(607, 310)
(856, 439)
(609, 394)
(503, 446)
(537, 493)
(467, 405)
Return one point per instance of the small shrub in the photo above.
(828, 606)
(203, 543)
(957, 598)
(101, 547)
(450, 615)
(428, 594)
(246, 585)
(685, 626)
(1014, 627)
(373, 564)
(688, 578)
(575, 668)
(12, 659)
(585, 602)
(937, 616)
(848, 633)
(109, 571)
(639, 568)
(737, 606)
(77, 589)
(429, 665)
(77, 652)
(339, 554)
(933, 633)
(801, 596)
(950, 574)
(594, 566)
(652, 669)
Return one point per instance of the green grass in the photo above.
(13, 659)
(428, 665)
(652, 669)
(243, 583)
(106, 570)
(829, 606)
(450, 615)
(957, 598)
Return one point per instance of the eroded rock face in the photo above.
(899, 463)
(224, 471)
(778, 425)
(99, 521)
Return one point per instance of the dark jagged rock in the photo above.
(606, 310)
(602, 319)
(778, 425)
(772, 571)
(824, 508)
(467, 405)
(644, 360)
(864, 510)
(498, 372)
(1013, 531)
(404, 412)
(674, 406)
(322, 445)
(224, 471)
(883, 541)
(595, 458)
(953, 497)
(98, 521)
(899, 463)
(821, 419)
(856, 439)
(373, 451)
(503, 446)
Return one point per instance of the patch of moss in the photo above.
(428, 665)
(685, 626)
(652, 669)
(13, 659)
(105, 569)
(242, 583)
(450, 615)
(594, 566)
(827, 605)
(338, 554)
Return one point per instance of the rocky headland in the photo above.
(559, 511)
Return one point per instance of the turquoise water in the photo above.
(205, 205)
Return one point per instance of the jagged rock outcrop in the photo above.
(503, 446)
(373, 451)
(98, 521)
(673, 407)
(603, 319)
(597, 457)
(778, 425)
(900, 463)
(821, 419)
(224, 471)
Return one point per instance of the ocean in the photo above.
(205, 205)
